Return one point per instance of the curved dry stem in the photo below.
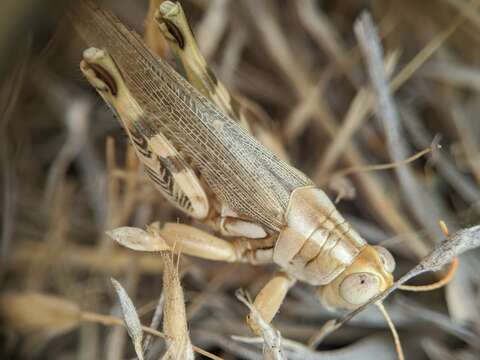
(391, 165)
(436, 285)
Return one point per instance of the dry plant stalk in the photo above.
(174, 315)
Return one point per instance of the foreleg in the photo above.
(269, 299)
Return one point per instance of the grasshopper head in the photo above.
(102, 73)
(366, 277)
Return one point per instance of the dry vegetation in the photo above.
(67, 175)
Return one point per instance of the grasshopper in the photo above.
(210, 167)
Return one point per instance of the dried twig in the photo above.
(423, 208)
(174, 314)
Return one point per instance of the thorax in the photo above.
(317, 243)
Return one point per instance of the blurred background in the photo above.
(62, 183)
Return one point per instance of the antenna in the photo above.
(396, 338)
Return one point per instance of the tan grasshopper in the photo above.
(210, 167)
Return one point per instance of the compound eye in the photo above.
(358, 288)
(387, 259)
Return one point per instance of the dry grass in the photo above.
(67, 176)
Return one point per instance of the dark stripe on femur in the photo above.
(140, 142)
(145, 127)
(164, 179)
(105, 76)
(173, 163)
(165, 184)
(212, 76)
(175, 32)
